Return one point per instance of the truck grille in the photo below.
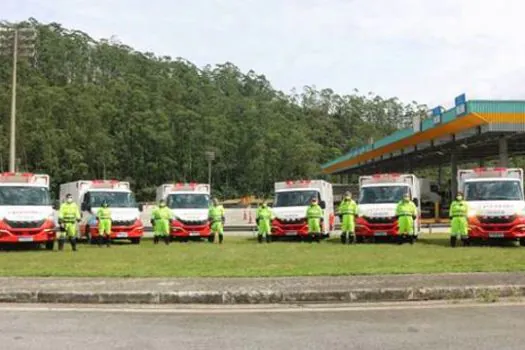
(193, 222)
(496, 219)
(389, 220)
(122, 222)
(25, 224)
(292, 221)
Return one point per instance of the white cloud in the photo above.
(425, 50)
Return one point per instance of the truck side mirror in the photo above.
(85, 207)
(141, 207)
(323, 204)
(56, 205)
(416, 202)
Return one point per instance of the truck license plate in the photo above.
(25, 239)
(122, 235)
(195, 234)
(496, 235)
(380, 234)
(291, 233)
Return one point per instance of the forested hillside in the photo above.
(89, 109)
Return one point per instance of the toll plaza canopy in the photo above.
(472, 131)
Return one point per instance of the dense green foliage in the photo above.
(89, 109)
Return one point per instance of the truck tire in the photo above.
(135, 241)
(50, 245)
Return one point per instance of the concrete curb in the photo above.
(484, 293)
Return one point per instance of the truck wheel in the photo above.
(135, 241)
(50, 245)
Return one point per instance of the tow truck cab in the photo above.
(496, 202)
(26, 212)
(125, 213)
(189, 203)
(292, 199)
(378, 198)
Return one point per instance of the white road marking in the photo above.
(251, 309)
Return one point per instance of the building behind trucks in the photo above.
(26, 211)
(378, 198)
(496, 203)
(291, 201)
(125, 212)
(190, 204)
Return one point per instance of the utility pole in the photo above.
(210, 156)
(19, 42)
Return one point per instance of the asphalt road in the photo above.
(397, 326)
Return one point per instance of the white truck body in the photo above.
(188, 202)
(289, 193)
(88, 195)
(24, 197)
(493, 192)
(379, 195)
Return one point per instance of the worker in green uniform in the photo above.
(314, 217)
(104, 224)
(217, 220)
(68, 216)
(160, 219)
(263, 218)
(347, 211)
(406, 213)
(458, 219)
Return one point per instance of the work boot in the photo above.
(317, 237)
(411, 239)
(73, 242)
(453, 240)
(99, 241)
(343, 238)
(400, 239)
(221, 238)
(350, 238)
(108, 241)
(155, 239)
(465, 241)
(167, 240)
(268, 238)
(259, 238)
(61, 244)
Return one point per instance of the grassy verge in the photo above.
(244, 257)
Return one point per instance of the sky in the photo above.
(427, 51)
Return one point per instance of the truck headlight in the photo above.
(521, 212)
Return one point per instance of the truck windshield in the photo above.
(23, 195)
(188, 201)
(382, 194)
(114, 199)
(295, 198)
(493, 191)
